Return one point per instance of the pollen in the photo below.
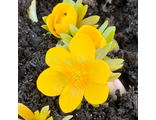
(77, 75)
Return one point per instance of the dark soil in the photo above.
(31, 53)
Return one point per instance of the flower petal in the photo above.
(25, 112)
(51, 82)
(98, 72)
(58, 59)
(44, 112)
(94, 34)
(70, 98)
(37, 115)
(82, 47)
(51, 17)
(50, 24)
(96, 93)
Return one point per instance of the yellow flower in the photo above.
(27, 114)
(58, 21)
(67, 13)
(75, 74)
(94, 34)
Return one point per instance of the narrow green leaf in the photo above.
(113, 77)
(116, 48)
(102, 52)
(69, 1)
(92, 20)
(73, 29)
(65, 1)
(108, 34)
(114, 64)
(66, 37)
(95, 105)
(44, 18)
(79, 106)
(45, 35)
(51, 118)
(95, 26)
(77, 3)
(65, 42)
(45, 27)
(81, 12)
(112, 47)
(32, 11)
(68, 117)
(103, 26)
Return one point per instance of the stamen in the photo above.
(76, 75)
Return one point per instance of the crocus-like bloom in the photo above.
(75, 74)
(58, 21)
(27, 114)
(94, 34)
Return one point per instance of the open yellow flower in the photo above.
(27, 114)
(75, 74)
(94, 34)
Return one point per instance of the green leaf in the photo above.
(114, 64)
(77, 3)
(113, 77)
(81, 12)
(92, 20)
(32, 11)
(102, 52)
(65, 42)
(44, 18)
(69, 1)
(68, 117)
(66, 37)
(45, 27)
(95, 26)
(95, 105)
(45, 35)
(79, 106)
(112, 47)
(73, 29)
(51, 118)
(116, 48)
(103, 26)
(63, 46)
(108, 34)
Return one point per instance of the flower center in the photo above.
(60, 16)
(77, 75)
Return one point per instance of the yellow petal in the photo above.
(37, 115)
(82, 47)
(98, 72)
(70, 18)
(50, 24)
(96, 93)
(70, 98)
(94, 35)
(51, 82)
(25, 112)
(44, 113)
(58, 58)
